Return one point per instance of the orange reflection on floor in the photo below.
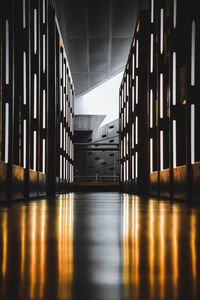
(193, 252)
(65, 246)
(130, 245)
(155, 238)
(4, 248)
(33, 264)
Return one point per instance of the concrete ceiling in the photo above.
(97, 36)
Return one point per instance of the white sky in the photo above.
(103, 100)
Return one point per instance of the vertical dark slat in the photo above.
(51, 105)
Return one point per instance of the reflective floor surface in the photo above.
(99, 246)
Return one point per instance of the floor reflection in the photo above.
(102, 246)
(160, 249)
(36, 253)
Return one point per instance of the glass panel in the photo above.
(174, 79)
(152, 11)
(161, 29)
(174, 13)
(43, 155)
(35, 31)
(20, 133)
(24, 13)
(34, 150)
(6, 131)
(35, 97)
(174, 143)
(7, 52)
(24, 143)
(192, 133)
(193, 55)
(24, 77)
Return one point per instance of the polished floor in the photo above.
(99, 246)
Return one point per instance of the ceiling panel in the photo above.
(98, 18)
(81, 82)
(98, 55)
(123, 18)
(97, 36)
(76, 12)
(120, 51)
(79, 60)
(96, 78)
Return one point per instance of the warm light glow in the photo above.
(193, 54)
(193, 246)
(174, 143)
(151, 245)
(4, 244)
(131, 245)
(23, 234)
(33, 251)
(175, 248)
(138, 26)
(162, 251)
(42, 247)
(192, 133)
(161, 151)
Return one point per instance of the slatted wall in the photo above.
(36, 103)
